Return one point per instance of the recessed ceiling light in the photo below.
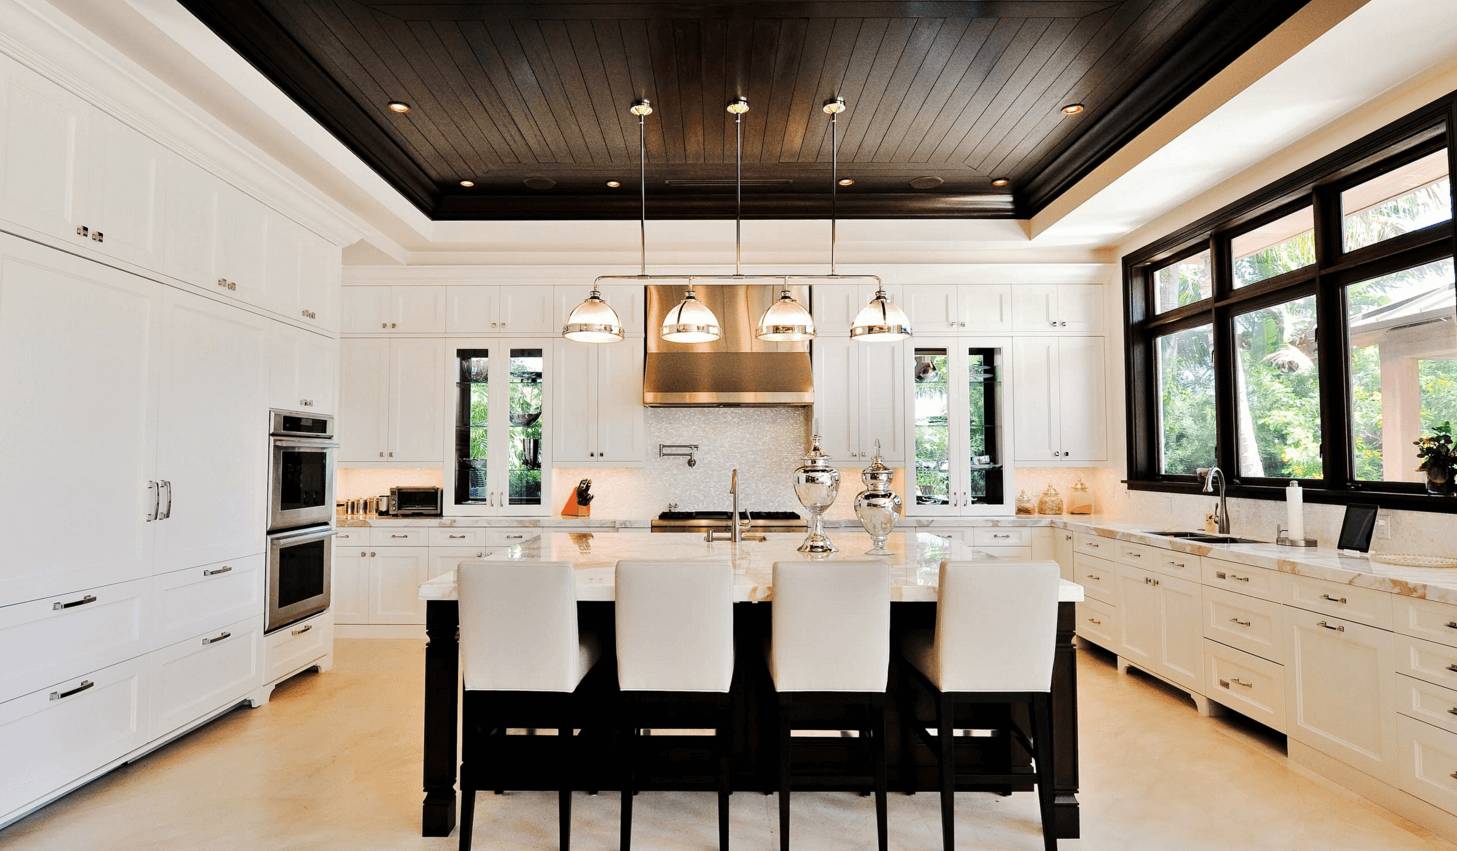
(539, 183)
(929, 181)
(847, 181)
(467, 183)
(398, 106)
(1000, 181)
(614, 184)
(1073, 109)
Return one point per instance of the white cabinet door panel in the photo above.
(881, 369)
(47, 640)
(190, 224)
(419, 310)
(527, 309)
(417, 401)
(472, 309)
(836, 388)
(297, 646)
(1034, 307)
(576, 402)
(318, 371)
(1141, 624)
(629, 300)
(1080, 309)
(88, 430)
(197, 599)
(211, 433)
(985, 309)
(1082, 399)
(206, 672)
(318, 284)
(42, 133)
(282, 266)
(241, 244)
(1035, 365)
(1182, 656)
(123, 197)
(365, 310)
(932, 308)
(364, 387)
(349, 591)
(395, 577)
(1338, 698)
(621, 424)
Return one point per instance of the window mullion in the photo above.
(1335, 384)
(1226, 427)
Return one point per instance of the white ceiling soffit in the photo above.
(1328, 59)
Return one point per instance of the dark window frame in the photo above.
(1318, 186)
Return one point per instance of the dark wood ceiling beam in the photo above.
(721, 205)
(496, 10)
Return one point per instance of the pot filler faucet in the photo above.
(1221, 512)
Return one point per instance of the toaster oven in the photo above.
(416, 501)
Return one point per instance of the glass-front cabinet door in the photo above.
(955, 415)
(500, 418)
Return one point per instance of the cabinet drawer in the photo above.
(1171, 563)
(1001, 537)
(1426, 660)
(55, 735)
(1425, 619)
(1009, 553)
(296, 646)
(1423, 701)
(1098, 577)
(1427, 762)
(1241, 579)
(1098, 623)
(1138, 555)
(508, 537)
(1361, 605)
(1247, 623)
(399, 536)
(48, 640)
(205, 672)
(1249, 685)
(199, 599)
(449, 537)
(352, 536)
(1096, 546)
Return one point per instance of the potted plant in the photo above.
(1438, 459)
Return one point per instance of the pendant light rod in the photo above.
(834, 106)
(737, 107)
(642, 108)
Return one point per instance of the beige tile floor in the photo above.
(333, 762)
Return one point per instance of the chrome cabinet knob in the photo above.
(98, 236)
(82, 230)
(384, 325)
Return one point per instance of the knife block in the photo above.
(574, 508)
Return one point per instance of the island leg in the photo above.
(442, 695)
(1065, 725)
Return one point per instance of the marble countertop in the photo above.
(342, 521)
(1328, 563)
(915, 560)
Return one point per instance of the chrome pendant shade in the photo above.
(593, 321)
(880, 321)
(690, 322)
(786, 321)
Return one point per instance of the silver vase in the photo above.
(878, 507)
(816, 484)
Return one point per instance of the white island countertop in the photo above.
(914, 561)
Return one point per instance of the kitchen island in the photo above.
(914, 561)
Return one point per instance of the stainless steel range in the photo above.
(704, 521)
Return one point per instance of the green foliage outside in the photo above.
(932, 402)
(1186, 390)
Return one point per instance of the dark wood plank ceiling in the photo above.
(529, 100)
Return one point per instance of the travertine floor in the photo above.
(333, 762)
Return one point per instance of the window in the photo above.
(1307, 331)
(1402, 366)
(1182, 282)
(1408, 198)
(473, 385)
(932, 402)
(1277, 391)
(1186, 401)
(1272, 249)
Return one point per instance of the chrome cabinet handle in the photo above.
(381, 453)
(511, 537)
(152, 491)
(62, 695)
(166, 511)
(301, 630)
(454, 537)
(392, 453)
(394, 325)
(1452, 624)
(1095, 621)
(58, 606)
(1336, 628)
(1095, 546)
(98, 236)
(404, 536)
(227, 568)
(1095, 577)
(1135, 555)
(308, 314)
(1452, 667)
(371, 553)
(1341, 600)
(1178, 564)
(1238, 621)
(384, 325)
(222, 636)
(82, 230)
(1239, 682)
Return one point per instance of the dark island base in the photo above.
(676, 762)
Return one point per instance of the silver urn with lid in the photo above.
(878, 507)
(816, 483)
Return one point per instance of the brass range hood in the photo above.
(737, 369)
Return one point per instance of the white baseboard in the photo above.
(1317, 764)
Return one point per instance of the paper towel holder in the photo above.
(1283, 538)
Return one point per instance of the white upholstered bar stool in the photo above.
(996, 626)
(829, 652)
(524, 663)
(675, 664)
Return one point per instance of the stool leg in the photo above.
(947, 743)
(906, 726)
(724, 733)
(629, 754)
(1042, 730)
(784, 741)
(467, 816)
(878, 735)
(564, 797)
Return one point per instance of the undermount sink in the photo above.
(1206, 538)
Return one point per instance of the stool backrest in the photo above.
(996, 624)
(518, 626)
(675, 625)
(831, 626)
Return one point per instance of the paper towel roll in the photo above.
(1295, 512)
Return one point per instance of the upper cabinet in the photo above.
(1060, 399)
(488, 309)
(398, 309)
(859, 398)
(956, 309)
(599, 410)
(1064, 308)
(391, 401)
(42, 133)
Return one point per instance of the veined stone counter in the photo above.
(603, 523)
(915, 561)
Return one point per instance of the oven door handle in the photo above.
(306, 442)
(302, 536)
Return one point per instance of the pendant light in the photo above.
(691, 321)
(881, 320)
(786, 320)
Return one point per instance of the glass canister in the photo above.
(816, 483)
(1025, 505)
(1080, 501)
(878, 507)
(1050, 502)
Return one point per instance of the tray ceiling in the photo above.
(529, 100)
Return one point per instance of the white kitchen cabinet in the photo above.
(395, 577)
(492, 309)
(88, 429)
(1427, 763)
(473, 309)
(122, 193)
(298, 646)
(599, 411)
(1064, 553)
(984, 309)
(283, 251)
(205, 673)
(955, 444)
(1061, 406)
(1063, 308)
(52, 736)
(302, 370)
(932, 308)
(391, 400)
(399, 309)
(197, 599)
(527, 309)
(502, 425)
(349, 591)
(79, 631)
(242, 245)
(318, 287)
(1338, 690)
(211, 433)
(1160, 621)
(1250, 685)
(1140, 624)
(43, 131)
(859, 398)
(189, 230)
(834, 306)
